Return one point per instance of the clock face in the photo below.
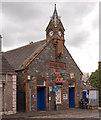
(59, 33)
(51, 33)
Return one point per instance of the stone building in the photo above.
(91, 93)
(47, 76)
(7, 86)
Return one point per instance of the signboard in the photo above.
(88, 82)
(93, 94)
(50, 88)
(28, 77)
(64, 96)
(93, 97)
(33, 96)
(58, 96)
(58, 77)
(71, 75)
(55, 64)
(78, 95)
(49, 98)
(55, 89)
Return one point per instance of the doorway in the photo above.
(84, 95)
(41, 99)
(21, 101)
(71, 97)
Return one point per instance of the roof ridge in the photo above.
(11, 68)
(31, 43)
(33, 56)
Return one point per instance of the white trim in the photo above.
(85, 90)
(72, 85)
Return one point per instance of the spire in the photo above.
(55, 17)
(55, 14)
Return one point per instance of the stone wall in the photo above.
(9, 93)
(40, 67)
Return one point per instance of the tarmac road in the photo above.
(70, 114)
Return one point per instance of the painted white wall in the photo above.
(93, 94)
(93, 97)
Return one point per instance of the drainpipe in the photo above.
(1, 96)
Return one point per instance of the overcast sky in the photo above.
(24, 22)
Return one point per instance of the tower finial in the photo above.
(55, 6)
(55, 16)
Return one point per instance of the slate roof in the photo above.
(6, 67)
(88, 87)
(18, 58)
(21, 57)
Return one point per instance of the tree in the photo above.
(94, 78)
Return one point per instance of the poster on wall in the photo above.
(64, 96)
(71, 75)
(58, 96)
(50, 88)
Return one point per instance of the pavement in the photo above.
(69, 114)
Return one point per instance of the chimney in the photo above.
(0, 43)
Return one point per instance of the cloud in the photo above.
(27, 21)
(24, 22)
(75, 12)
(21, 11)
(79, 39)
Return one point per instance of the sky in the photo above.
(24, 22)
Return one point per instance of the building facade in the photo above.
(47, 76)
(8, 88)
(91, 93)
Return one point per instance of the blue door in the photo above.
(41, 98)
(84, 95)
(71, 97)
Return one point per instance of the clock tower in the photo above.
(55, 32)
